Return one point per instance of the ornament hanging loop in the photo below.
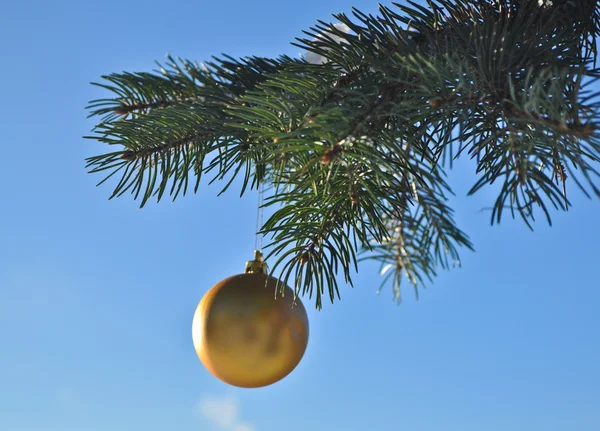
(259, 217)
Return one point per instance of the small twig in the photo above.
(131, 155)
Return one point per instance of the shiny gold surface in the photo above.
(246, 336)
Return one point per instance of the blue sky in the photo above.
(97, 296)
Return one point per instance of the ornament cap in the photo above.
(256, 265)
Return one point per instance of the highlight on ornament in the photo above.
(247, 333)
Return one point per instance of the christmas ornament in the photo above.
(246, 333)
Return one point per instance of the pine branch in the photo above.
(421, 236)
(354, 150)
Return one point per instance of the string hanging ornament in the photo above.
(247, 330)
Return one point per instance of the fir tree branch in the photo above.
(355, 148)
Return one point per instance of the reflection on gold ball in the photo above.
(245, 335)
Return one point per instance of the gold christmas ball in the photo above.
(246, 333)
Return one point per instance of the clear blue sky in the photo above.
(97, 296)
